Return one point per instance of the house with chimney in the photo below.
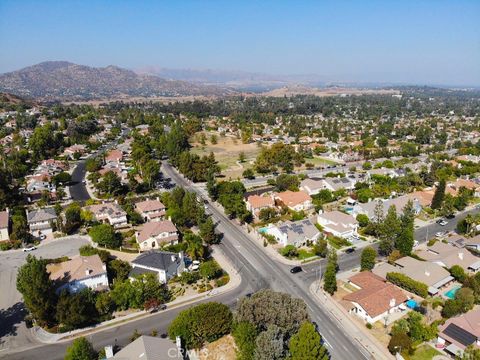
(338, 224)
(79, 273)
(155, 234)
(165, 265)
(255, 203)
(294, 200)
(41, 221)
(296, 233)
(428, 273)
(109, 213)
(447, 256)
(151, 210)
(375, 299)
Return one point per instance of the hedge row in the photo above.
(408, 283)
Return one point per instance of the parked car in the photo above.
(296, 269)
(442, 222)
(350, 250)
(450, 216)
(440, 234)
(29, 248)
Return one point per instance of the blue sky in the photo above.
(419, 42)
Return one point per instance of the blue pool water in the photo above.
(262, 230)
(412, 304)
(451, 293)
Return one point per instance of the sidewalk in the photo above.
(356, 332)
(235, 280)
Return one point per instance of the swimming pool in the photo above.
(262, 230)
(451, 293)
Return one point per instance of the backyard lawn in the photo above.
(424, 352)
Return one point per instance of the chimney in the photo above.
(87, 272)
(427, 273)
(158, 198)
(174, 258)
(460, 255)
(392, 303)
(104, 267)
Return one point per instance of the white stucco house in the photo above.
(163, 264)
(338, 224)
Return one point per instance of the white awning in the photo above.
(454, 349)
(442, 282)
(475, 266)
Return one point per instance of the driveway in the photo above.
(13, 332)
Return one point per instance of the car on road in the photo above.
(442, 222)
(350, 250)
(296, 269)
(450, 216)
(440, 234)
(29, 248)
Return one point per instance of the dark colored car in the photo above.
(350, 250)
(450, 216)
(296, 269)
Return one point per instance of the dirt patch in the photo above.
(222, 349)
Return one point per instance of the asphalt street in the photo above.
(78, 191)
(278, 277)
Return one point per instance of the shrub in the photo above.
(400, 341)
(202, 323)
(408, 283)
(368, 325)
(289, 251)
(458, 273)
(222, 281)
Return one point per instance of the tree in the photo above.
(267, 307)
(245, 334)
(439, 195)
(207, 231)
(81, 349)
(195, 248)
(202, 323)
(110, 184)
(458, 273)
(210, 270)
(267, 214)
(400, 342)
(118, 270)
(104, 234)
(362, 220)
(330, 278)
(72, 218)
(76, 310)
(289, 251)
(248, 174)
(405, 239)
(321, 248)
(306, 344)
(287, 182)
(38, 291)
(368, 257)
(388, 230)
(448, 206)
(270, 344)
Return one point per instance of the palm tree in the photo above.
(195, 248)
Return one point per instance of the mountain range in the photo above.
(62, 80)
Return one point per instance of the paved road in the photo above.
(13, 333)
(78, 191)
(276, 276)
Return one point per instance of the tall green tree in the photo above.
(439, 195)
(270, 344)
(330, 278)
(367, 261)
(406, 237)
(38, 291)
(245, 334)
(207, 231)
(306, 344)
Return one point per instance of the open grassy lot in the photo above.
(227, 151)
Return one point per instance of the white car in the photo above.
(442, 222)
(29, 248)
(440, 234)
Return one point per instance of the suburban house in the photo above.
(294, 200)
(41, 221)
(151, 210)
(375, 299)
(399, 203)
(163, 264)
(429, 273)
(459, 332)
(447, 256)
(255, 203)
(4, 222)
(115, 157)
(423, 197)
(468, 184)
(153, 235)
(393, 173)
(338, 224)
(148, 348)
(312, 186)
(79, 273)
(295, 233)
(338, 183)
(74, 149)
(110, 213)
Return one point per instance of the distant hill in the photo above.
(63, 80)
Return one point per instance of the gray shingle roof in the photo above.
(41, 215)
(161, 260)
(149, 348)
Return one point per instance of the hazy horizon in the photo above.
(410, 42)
